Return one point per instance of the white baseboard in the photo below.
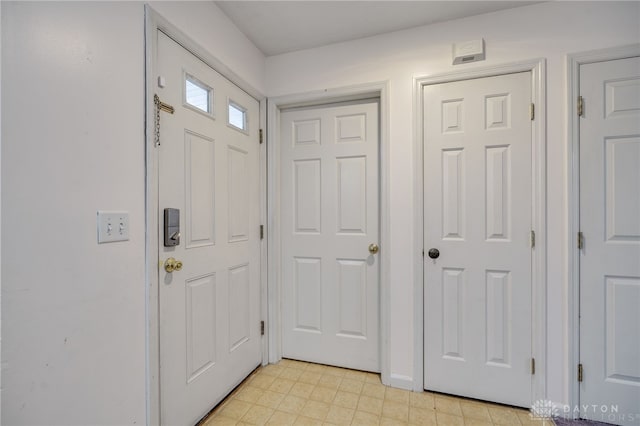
(400, 382)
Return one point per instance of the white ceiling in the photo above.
(284, 26)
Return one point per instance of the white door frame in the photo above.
(574, 61)
(274, 106)
(154, 22)
(537, 68)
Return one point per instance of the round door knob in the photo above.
(171, 265)
(434, 253)
(373, 248)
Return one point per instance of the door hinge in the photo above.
(532, 111)
(579, 372)
(262, 328)
(580, 106)
(533, 366)
(262, 232)
(532, 238)
(580, 240)
(260, 135)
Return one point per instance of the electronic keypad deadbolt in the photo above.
(171, 227)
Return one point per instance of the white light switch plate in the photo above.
(113, 226)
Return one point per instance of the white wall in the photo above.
(73, 311)
(549, 30)
(0, 209)
(209, 27)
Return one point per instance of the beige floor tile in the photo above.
(302, 390)
(445, 419)
(448, 405)
(370, 405)
(527, 420)
(310, 377)
(301, 365)
(220, 421)
(334, 371)
(282, 385)
(270, 399)
(395, 410)
(365, 419)
(503, 416)
(316, 368)
(295, 392)
(373, 390)
(373, 378)
(272, 369)
(257, 415)
(235, 409)
(422, 400)
(469, 421)
(323, 394)
(422, 416)
(524, 416)
(291, 373)
(355, 375)
(307, 421)
(475, 410)
(249, 394)
(384, 421)
(292, 404)
(349, 385)
(281, 418)
(328, 381)
(262, 381)
(316, 409)
(346, 399)
(397, 395)
(339, 415)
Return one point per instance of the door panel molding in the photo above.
(537, 67)
(574, 61)
(155, 22)
(378, 90)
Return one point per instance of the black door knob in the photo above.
(434, 253)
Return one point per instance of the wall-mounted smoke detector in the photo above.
(468, 51)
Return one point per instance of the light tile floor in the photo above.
(300, 393)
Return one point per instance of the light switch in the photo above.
(113, 226)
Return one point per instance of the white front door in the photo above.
(329, 217)
(610, 256)
(208, 170)
(478, 216)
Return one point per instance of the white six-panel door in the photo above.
(610, 257)
(478, 204)
(329, 217)
(210, 310)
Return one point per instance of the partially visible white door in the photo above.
(610, 257)
(329, 218)
(208, 169)
(478, 203)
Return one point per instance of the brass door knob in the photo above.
(172, 264)
(373, 248)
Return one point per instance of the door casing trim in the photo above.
(574, 62)
(378, 90)
(537, 67)
(155, 22)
